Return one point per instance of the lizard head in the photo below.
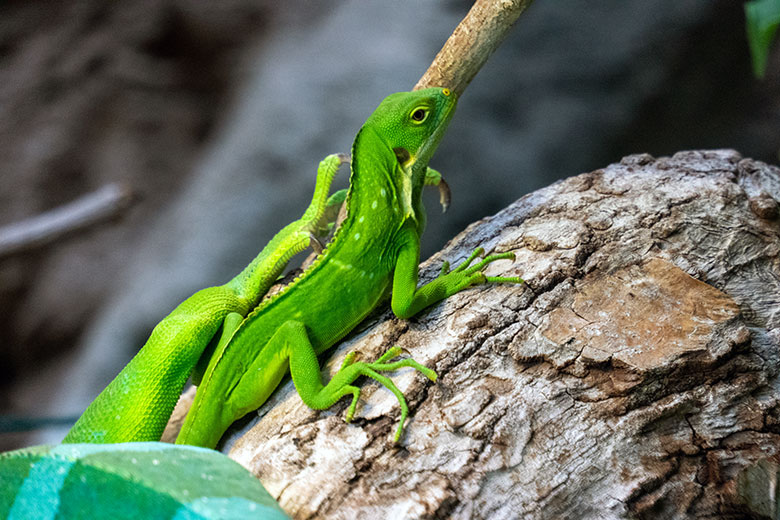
(411, 125)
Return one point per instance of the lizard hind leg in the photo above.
(305, 373)
(383, 364)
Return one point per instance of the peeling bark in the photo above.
(634, 375)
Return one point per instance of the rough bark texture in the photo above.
(472, 42)
(635, 375)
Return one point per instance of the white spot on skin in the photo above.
(155, 462)
(361, 219)
(374, 205)
(383, 192)
(341, 265)
(357, 236)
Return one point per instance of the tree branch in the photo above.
(472, 42)
(89, 210)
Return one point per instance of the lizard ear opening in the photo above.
(402, 154)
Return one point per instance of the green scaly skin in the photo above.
(374, 250)
(137, 404)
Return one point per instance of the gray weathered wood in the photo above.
(635, 375)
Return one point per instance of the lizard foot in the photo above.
(467, 275)
(351, 369)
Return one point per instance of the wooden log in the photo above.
(635, 375)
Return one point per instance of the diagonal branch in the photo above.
(96, 207)
(472, 42)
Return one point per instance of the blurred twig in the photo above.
(94, 208)
(471, 44)
(17, 424)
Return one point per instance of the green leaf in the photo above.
(762, 19)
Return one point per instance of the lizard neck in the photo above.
(381, 194)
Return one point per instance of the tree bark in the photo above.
(472, 42)
(634, 375)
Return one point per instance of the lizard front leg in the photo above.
(434, 178)
(407, 299)
(255, 280)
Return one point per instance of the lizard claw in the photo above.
(445, 195)
(315, 244)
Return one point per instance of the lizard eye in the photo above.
(419, 115)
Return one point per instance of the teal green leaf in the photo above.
(149, 480)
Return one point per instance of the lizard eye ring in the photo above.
(419, 115)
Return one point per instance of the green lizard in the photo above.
(137, 404)
(376, 249)
(249, 346)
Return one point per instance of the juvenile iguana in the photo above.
(374, 251)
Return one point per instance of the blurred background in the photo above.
(215, 115)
